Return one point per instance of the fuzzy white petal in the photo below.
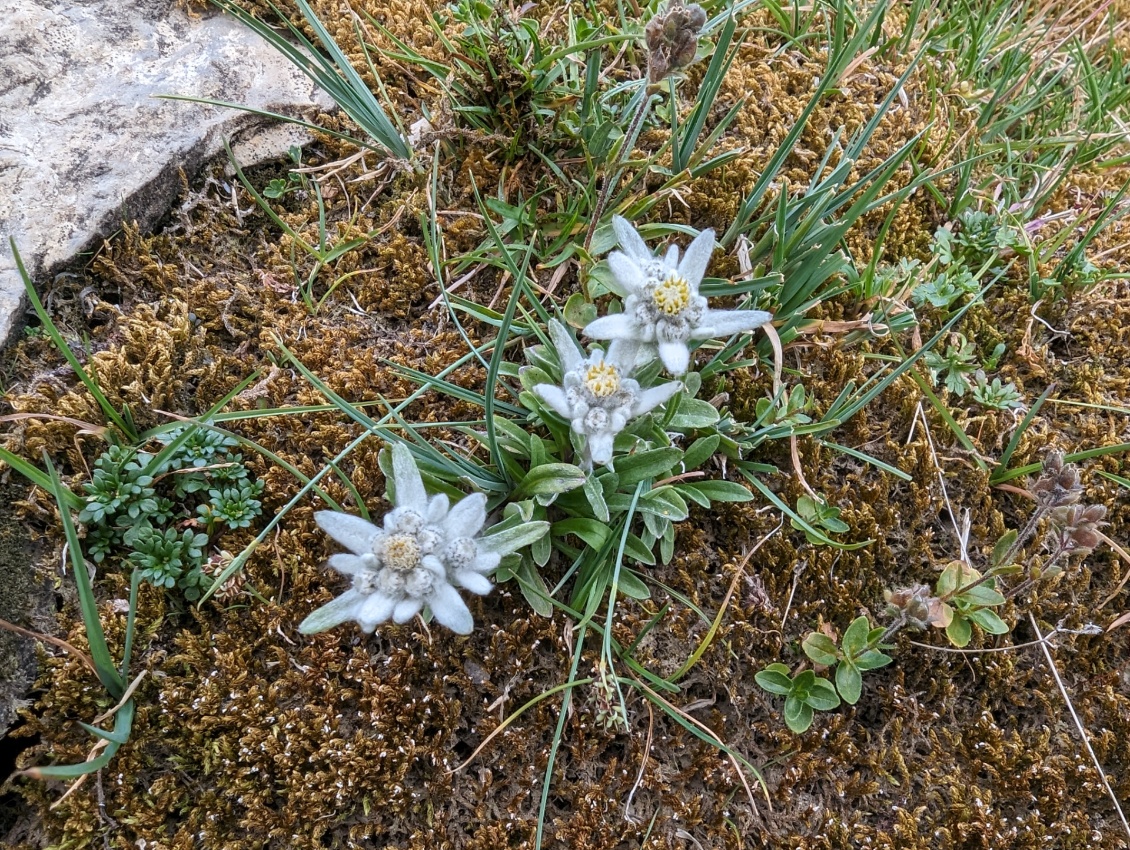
(648, 352)
(600, 447)
(350, 565)
(333, 613)
(675, 357)
(623, 354)
(474, 582)
(671, 258)
(719, 323)
(630, 239)
(567, 353)
(651, 398)
(376, 608)
(697, 258)
(555, 398)
(410, 491)
(437, 508)
(486, 562)
(627, 272)
(614, 326)
(466, 517)
(450, 610)
(406, 609)
(434, 565)
(352, 532)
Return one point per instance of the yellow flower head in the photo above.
(402, 552)
(672, 296)
(602, 379)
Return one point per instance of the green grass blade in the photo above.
(789, 512)
(276, 116)
(613, 588)
(41, 479)
(262, 203)
(518, 289)
(866, 458)
(707, 737)
(684, 143)
(237, 563)
(453, 390)
(336, 75)
(558, 734)
(123, 724)
(1117, 479)
(947, 417)
(131, 617)
(1014, 441)
(865, 397)
(95, 637)
(57, 338)
(1074, 457)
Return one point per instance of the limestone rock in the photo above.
(85, 144)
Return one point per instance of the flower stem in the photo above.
(610, 184)
(1029, 582)
(1025, 533)
(1013, 550)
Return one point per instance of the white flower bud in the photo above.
(365, 582)
(390, 582)
(429, 540)
(596, 420)
(405, 521)
(419, 583)
(460, 553)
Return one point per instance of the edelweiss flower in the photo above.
(424, 551)
(662, 307)
(598, 398)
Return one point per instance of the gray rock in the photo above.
(84, 144)
(26, 599)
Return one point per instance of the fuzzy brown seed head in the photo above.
(1059, 483)
(672, 38)
(1078, 526)
(917, 607)
(231, 589)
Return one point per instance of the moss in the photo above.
(249, 735)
